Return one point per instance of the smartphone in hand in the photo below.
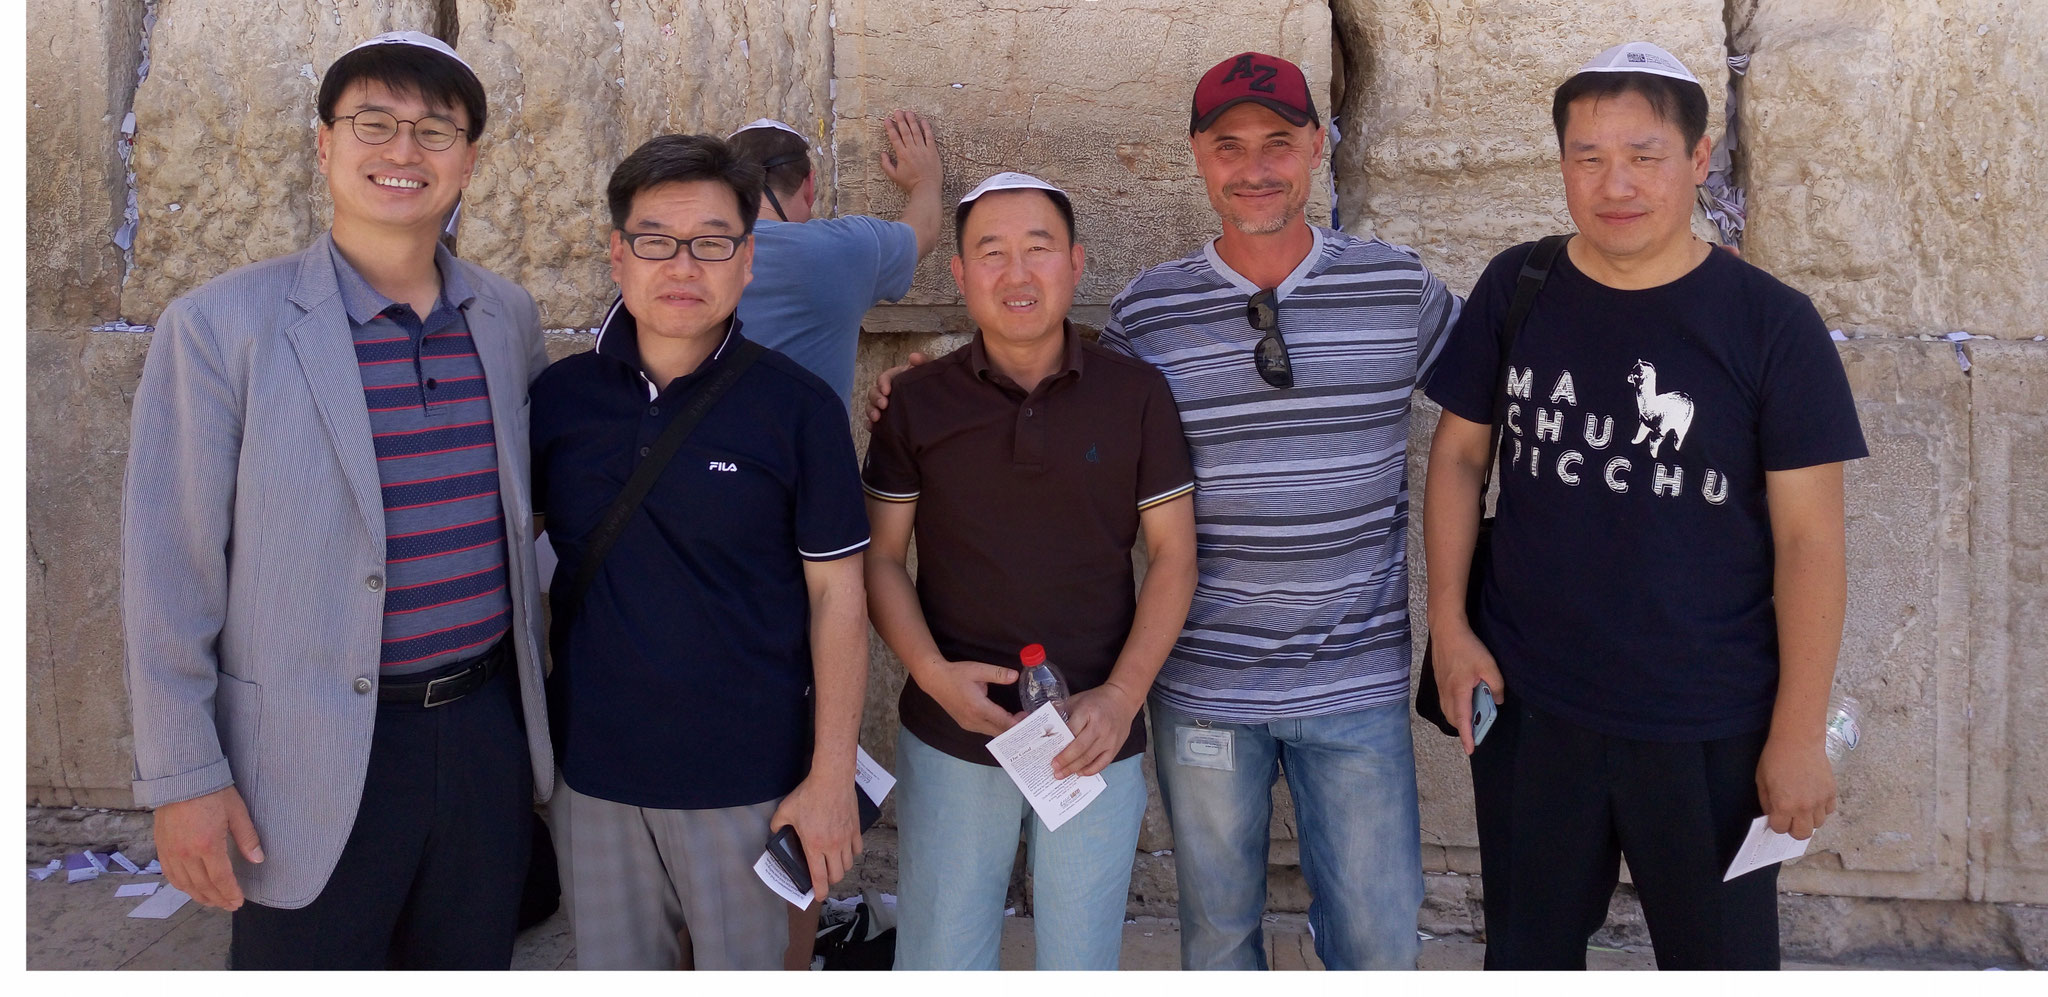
(788, 850)
(1483, 713)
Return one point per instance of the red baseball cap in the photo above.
(1254, 76)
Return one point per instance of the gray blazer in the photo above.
(252, 554)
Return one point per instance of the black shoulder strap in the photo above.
(1535, 270)
(566, 604)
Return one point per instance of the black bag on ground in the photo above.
(1535, 270)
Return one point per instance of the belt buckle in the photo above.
(434, 687)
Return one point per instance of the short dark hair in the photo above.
(1059, 200)
(408, 69)
(785, 158)
(684, 159)
(1675, 101)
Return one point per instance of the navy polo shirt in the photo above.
(683, 683)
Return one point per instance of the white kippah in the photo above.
(1010, 181)
(419, 38)
(1639, 57)
(767, 123)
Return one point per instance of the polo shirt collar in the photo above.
(977, 355)
(364, 303)
(618, 337)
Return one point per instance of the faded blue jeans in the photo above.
(957, 825)
(1352, 776)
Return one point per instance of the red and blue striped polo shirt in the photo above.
(445, 595)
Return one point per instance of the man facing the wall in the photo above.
(815, 277)
(328, 588)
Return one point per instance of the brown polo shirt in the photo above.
(1027, 509)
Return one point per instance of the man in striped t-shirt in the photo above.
(1292, 352)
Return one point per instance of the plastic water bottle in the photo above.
(1845, 728)
(1040, 682)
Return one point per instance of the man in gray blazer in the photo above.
(328, 586)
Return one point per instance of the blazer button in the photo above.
(363, 685)
(374, 583)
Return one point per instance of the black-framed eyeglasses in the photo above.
(433, 132)
(1270, 356)
(708, 248)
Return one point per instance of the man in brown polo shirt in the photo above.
(1027, 463)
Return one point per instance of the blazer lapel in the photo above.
(327, 355)
(505, 380)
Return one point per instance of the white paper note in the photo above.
(161, 904)
(1762, 847)
(127, 865)
(874, 781)
(137, 889)
(771, 873)
(1026, 752)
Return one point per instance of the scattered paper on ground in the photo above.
(161, 904)
(137, 890)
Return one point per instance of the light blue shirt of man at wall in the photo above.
(815, 277)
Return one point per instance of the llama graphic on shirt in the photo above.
(1665, 416)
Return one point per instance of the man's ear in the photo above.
(1078, 256)
(809, 191)
(617, 253)
(1702, 159)
(959, 268)
(323, 137)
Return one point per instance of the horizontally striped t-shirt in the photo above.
(445, 592)
(1301, 497)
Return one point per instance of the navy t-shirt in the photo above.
(682, 684)
(1631, 576)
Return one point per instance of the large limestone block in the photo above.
(80, 385)
(575, 87)
(1904, 793)
(1894, 159)
(2009, 674)
(81, 74)
(535, 209)
(225, 167)
(1092, 97)
(1448, 145)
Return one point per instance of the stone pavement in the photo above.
(84, 926)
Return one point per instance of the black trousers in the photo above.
(1559, 806)
(433, 869)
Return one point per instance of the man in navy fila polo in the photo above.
(328, 587)
(709, 689)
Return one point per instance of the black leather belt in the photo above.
(461, 679)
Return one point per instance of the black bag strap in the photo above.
(1535, 270)
(745, 352)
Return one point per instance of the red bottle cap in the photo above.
(1032, 655)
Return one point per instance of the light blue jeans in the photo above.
(957, 825)
(1352, 776)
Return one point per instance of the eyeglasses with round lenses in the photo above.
(708, 248)
(433, 132)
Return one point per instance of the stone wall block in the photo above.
(1893, 149)
(2009, 631)
(1448, 145)
(81, 76)
(225, 165)
(535, 208)
(1091, 97)
(1903, 792)
(80, 751)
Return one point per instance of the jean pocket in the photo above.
(1205, 748)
